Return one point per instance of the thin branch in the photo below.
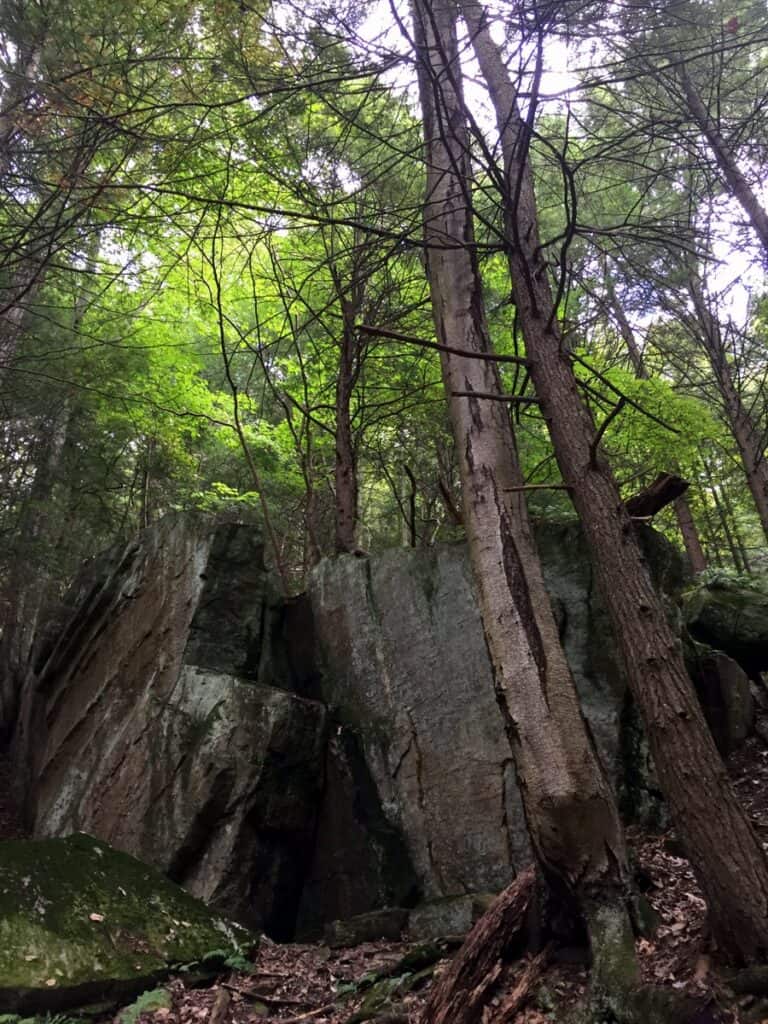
(538, 487)
(409, 339)
(603, 427)
(513, 399)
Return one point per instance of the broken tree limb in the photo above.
(462, 992)
(665, 489)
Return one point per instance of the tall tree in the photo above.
(570, 810)
(735, 882)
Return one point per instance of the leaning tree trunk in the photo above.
(569, 806)
(690, 534)
(738, 186)
(723, 848)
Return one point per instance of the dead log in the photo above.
(520, 994)
(652, 499)
(462, 992)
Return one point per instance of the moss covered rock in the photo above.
(731, 615)
(81, 923)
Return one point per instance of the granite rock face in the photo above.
(300, 762)
(406, 671)
(147, 727)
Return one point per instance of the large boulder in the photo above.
(81, 923)
(725, 695)
(158, 723)
(732, 617)
(406, 672)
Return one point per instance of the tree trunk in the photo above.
(27, 587)
(722, 515)
(690, 535)
(737, 184)
(569, 806)
(723, 848)
(625, 329)
(685, 521)
(345, 469)
(749, 438)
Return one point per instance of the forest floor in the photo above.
(312, 984)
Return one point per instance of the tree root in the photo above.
(504, 933)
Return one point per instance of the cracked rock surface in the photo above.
(148, 728)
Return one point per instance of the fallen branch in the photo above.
(328, 1008)
(220, 1006)
(665, 489)
(464, 989)
(260, 997)
(520, 994)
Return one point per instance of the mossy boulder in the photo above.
(731, 615)
(82, 923)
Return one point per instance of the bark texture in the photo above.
(465, 988)
(569, 806)
(723, 848)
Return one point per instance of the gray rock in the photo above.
(452, 916)
(406, 670)
(387, 923)
(195, 769)
(725, 696)
(732, 618)
(82, 923)
(360, 859)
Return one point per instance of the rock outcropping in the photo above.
(296, 762)
(147, 725)
(406, 674)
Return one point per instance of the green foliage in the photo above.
(148, 1002)
(215, 196)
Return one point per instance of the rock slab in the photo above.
(147, 727)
